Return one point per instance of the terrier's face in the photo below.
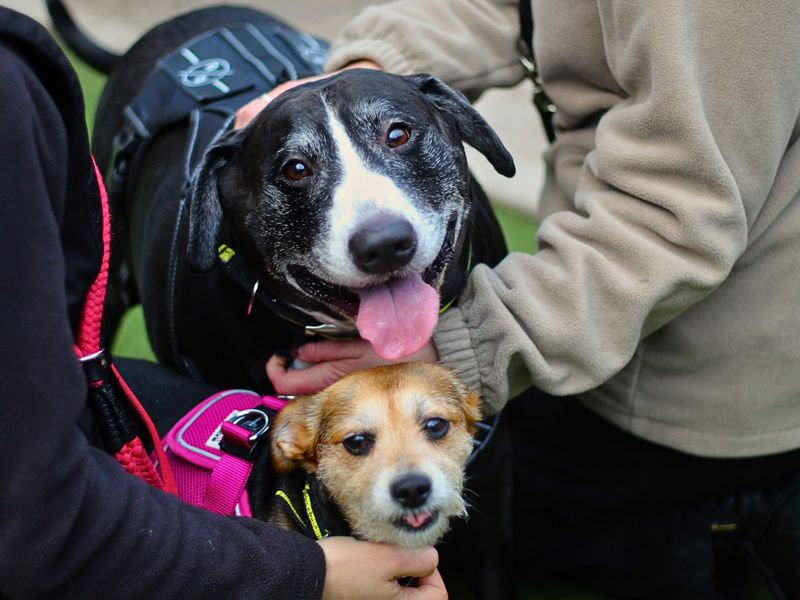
(390, 445)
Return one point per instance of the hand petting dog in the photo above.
(345, 572)
(330, 360)
(248, 112)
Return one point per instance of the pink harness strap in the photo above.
(230, 475)
(211, 449)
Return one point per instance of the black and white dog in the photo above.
(351, 197)
(348, 201)
(348, 207)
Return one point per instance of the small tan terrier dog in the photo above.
(380, 455)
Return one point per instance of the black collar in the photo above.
(243, 275)
(236, 267)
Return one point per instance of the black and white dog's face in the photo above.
(350, 196)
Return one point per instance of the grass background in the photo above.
(519, 230)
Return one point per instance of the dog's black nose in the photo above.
(411, 490)
(383, 246)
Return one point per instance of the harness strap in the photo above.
(118, 428)
(216, 73)
(229, 478)
(242, 433)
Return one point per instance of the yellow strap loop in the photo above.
(282, 495)
(310, 512)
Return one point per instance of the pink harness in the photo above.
(207, 456)
(211, 449)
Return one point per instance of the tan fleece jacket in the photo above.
(666, 289)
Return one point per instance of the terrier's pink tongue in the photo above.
(398, 317)
(417, 521)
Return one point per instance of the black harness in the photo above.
(206, 81)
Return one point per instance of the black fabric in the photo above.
(207, 79)
(639, 520)
(165, 395)
(74, 524)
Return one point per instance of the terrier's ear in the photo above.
(472, 404)
(468, 399)
(295, 435)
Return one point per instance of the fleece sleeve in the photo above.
(470, 44)
(681, 166)
(74, 525)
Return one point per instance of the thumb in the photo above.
(412, 563)
(421, 565)
(430, 587)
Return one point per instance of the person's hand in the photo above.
(329, 361)
(356, 570)
(248, 112)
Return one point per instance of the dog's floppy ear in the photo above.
(474, 130)
(205, 210)
(295, 434)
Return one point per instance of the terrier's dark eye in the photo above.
(296, 170)
(436, 428)
(397, 136)
(358, 444)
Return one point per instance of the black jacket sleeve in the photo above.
(72, 523)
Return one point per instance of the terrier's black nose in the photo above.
(383, 246)
(411, 490)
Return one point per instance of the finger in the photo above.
(326, 350)
(360, 350)
(420, 563)
(249, 111)
(276, 366)
(301, 381)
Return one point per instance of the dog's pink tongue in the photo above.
(398, 317)
(417, 521)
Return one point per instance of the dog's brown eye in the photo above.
(358, 444)
(296, 170)
(397, 136)
(436, 428)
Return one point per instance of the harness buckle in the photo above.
(243, 431)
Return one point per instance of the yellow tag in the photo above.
(226, 253)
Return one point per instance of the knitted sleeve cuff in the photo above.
(454, 345)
